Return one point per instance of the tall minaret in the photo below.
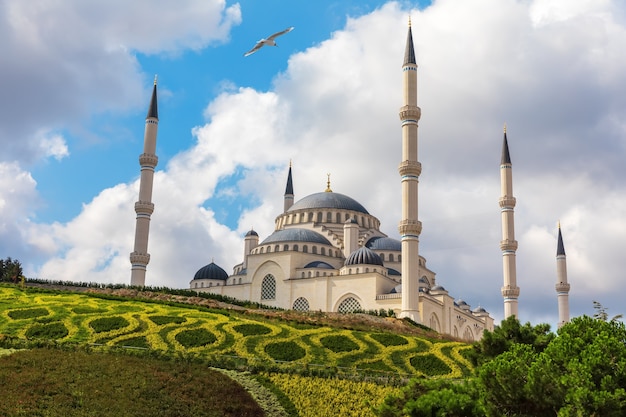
(144, 207)
(508, 244)
(410, 227)
(289, 191)
(562, 287)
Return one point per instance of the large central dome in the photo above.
(328, 200)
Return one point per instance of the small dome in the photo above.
(211, 271)
(296, 235)
(479, 310)
(438, 288)
(351, 220)
(252, 233)
(364, 255)
(328, 200)
(319, 264)
(392, 271)
(384, 243)
(396, 290)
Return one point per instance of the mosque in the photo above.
(327, 252)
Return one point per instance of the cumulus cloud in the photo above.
(549, 69)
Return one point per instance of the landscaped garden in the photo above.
(313, 370)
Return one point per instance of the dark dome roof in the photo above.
(211, 271)
(319, 264)
(296, 235)
(392, 271)
(384, 243)
(364, 255)
(328, 200)
(252, 233)
(437, 288)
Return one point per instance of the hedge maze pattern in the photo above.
(81, 318)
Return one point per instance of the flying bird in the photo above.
(269, 41)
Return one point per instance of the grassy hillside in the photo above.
(289, 350)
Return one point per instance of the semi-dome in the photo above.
(384, 243)
(392, 271)
(319, 264)
(211, 271)
(328, 200)
(296, 235)
(364, 255)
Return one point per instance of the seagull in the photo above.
(269, 41)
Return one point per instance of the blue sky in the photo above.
(76, 90)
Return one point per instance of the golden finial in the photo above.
(504, 127)
(155, 79)
(289, 162)
(328, 190)
(409, 20)
(559, 224)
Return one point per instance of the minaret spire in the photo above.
(562, 286)
(410, 169)
(508, 244)
(288, 191)
(144, 207)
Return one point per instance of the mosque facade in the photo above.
(328, 253)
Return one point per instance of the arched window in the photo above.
(391, 257)
(329, 217)
(305, 249)
(324, 251)
(262, 250)
(295, 248)
(434, 323)
(338, 216)
(319, 217)
(286, 248)
(301, 304)
(196, 285)
(310, 216)
(349, 305)
(276, 248)
(240, 280)
(268, 288)
(314, 249)
(382, 256)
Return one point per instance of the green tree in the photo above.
(433, 398)
(582, 372)
(509, 332)
(10, 270)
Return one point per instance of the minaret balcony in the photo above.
(410, 112)
(410, 227)
(510, 292)
(410, 168)
(144, 207)
(508, 245)
(148, 159)
(562, 287)
(139, 258)
(507, 202)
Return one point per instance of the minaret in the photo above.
(410, 227)
(251, 241)
(508, 244)
(562, 287)
(144, 207)
(289, 191)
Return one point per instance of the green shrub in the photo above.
(106, 324)
(250, 329)
(339, 343)
(430, 365)
(389, 339)
(161, 320)
(56, 330)
(195, 338)
(138, 342)
(28, 313)
(285, 351)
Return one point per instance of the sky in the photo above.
(76, 82)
